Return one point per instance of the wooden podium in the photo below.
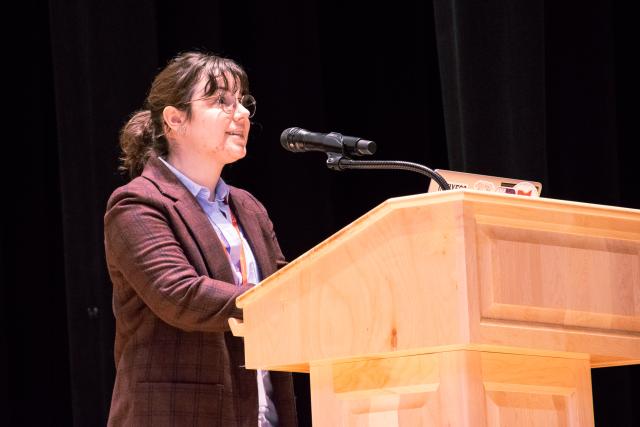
(458, 308)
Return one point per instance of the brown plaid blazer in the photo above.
(176, 361)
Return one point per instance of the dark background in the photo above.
(539, 90)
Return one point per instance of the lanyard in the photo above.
(243, 259)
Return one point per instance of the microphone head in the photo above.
(288, 139)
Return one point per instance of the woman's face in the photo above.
(213, 132)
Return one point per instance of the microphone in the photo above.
(300, 140)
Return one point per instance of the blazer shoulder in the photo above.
(138, 188)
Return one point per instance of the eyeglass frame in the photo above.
(230, 110)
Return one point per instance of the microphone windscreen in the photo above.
(289, 140)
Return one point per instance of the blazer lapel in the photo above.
(205, 237)
(249, 221)
(214, 254)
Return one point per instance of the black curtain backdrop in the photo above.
(535, 90)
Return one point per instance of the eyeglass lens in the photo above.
(247, 101)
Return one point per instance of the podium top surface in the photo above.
(498, 200)
(456, 269)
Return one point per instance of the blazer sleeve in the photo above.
(142, 248)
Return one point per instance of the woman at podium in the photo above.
(181, 245)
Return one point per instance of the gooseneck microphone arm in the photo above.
(339, 162)
(338, 147)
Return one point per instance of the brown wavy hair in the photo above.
(143, 136)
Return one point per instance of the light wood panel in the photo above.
(454, 388)
(479, 269)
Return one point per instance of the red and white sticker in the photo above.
(526, 189)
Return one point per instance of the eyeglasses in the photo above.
(229, 103)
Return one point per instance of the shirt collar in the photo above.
(200, 191)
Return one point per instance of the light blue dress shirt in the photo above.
(219, 214)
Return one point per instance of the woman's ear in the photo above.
(174, 119)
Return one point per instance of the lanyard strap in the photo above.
(243, 259)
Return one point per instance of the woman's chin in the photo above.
(237, 154)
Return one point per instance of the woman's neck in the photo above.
(200, 170)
